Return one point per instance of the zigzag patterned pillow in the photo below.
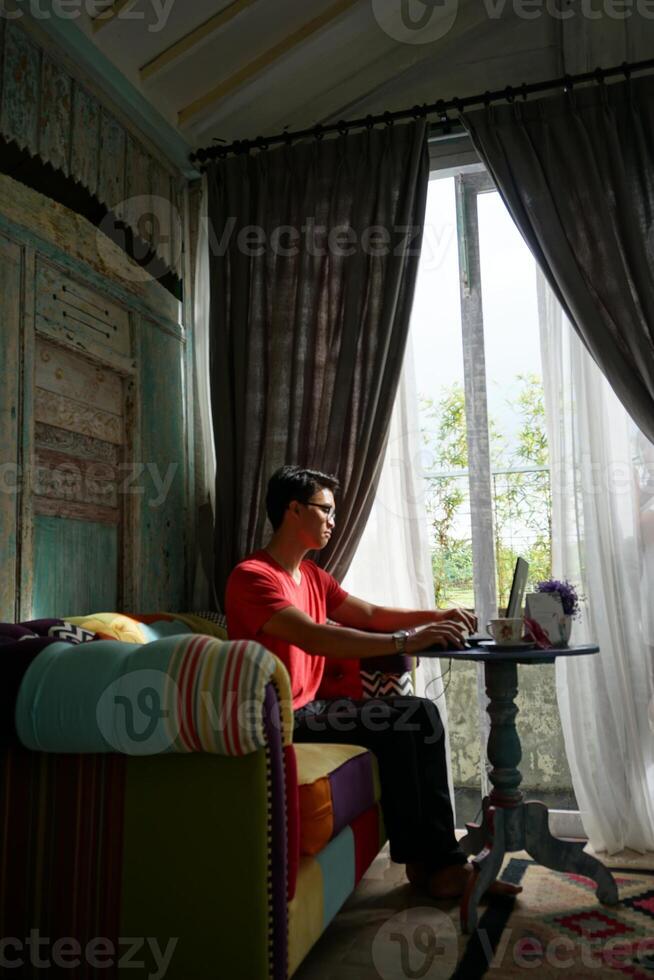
(71, 634)
(377, 684)
(214, 617)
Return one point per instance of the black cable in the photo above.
(439, 108)
(434, 680)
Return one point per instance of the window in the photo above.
(484, 457)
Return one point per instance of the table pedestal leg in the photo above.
(560, 855)
(477, 835)
(509, 824)
(487, 865)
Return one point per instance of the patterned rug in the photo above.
(557, 928)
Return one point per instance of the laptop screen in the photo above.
(518, 586)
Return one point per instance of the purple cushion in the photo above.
(353, 790)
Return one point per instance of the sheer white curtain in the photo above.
(392, 564)
(602, 539)
(206, 458)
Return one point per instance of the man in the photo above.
(280, 599)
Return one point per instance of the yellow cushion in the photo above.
(115, 625)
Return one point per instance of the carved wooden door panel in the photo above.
(80, 433)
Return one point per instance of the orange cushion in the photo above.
(335, 784)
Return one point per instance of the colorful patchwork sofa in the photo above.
(154, 791)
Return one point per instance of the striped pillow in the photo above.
(189, 693)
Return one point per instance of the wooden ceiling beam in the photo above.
(194, 37)
(265, 60)
(109, 14)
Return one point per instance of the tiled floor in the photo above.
(350, 949)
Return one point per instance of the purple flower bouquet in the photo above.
(569, 597)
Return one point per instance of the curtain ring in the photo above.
(569, 90)
(286, 136)
(487, 98)
(370, 122)
(509, 94)
(626, 70)
(388, 119)
(319, 132)
(524, 92)
(599, 78)
(342, 127)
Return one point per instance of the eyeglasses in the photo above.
(329, 511)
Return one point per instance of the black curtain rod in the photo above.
(440, 108)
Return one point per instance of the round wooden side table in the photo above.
(509, 822)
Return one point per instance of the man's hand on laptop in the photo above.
(465, 617)
(445, 634)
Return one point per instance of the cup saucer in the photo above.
(507, 647)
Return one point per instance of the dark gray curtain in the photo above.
(314, 252)
(577, 174)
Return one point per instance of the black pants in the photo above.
(406, 736)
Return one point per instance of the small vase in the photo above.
(565, 629)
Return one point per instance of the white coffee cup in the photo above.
(506, 631)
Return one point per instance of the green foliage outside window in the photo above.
(522, 512)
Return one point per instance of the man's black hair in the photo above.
(294, 483)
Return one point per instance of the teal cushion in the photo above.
(104, 696)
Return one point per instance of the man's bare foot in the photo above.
(451, 882)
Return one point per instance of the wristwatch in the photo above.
(399, 639)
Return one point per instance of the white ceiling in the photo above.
(240, 68)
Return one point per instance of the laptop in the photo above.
(518, 586)
(516, 596)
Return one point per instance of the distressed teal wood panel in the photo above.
(137, 191)
(111, 183)
(56, 107)
(75, 567)
(10, 290)
(161, 211)
(20, 89)
(86, 138)
(176, 229)
(163, 457)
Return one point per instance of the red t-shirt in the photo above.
(257, 589)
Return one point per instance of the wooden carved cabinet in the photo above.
(93, 437)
